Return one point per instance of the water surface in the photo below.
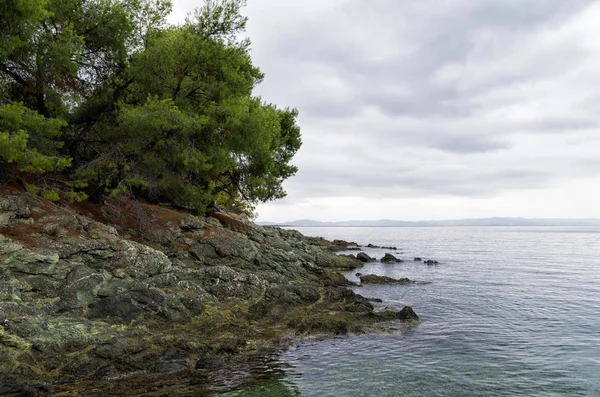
(509, 311)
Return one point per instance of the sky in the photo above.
(432, 110)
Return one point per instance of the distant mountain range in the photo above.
(455, 222)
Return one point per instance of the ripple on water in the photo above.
(509, 311)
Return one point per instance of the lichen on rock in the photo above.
(86, 294)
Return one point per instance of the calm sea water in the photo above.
(508, 311)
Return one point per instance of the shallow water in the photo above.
(509, 311)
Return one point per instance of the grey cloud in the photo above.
(329, 108)
(560, 124)
(470, 144)
(439, 39)
(414, 182)
(378, 122)
(458, 138)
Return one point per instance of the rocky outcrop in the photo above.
(101, 291)
(332, 246)
(375, 279)
(381, 247)
(349, 262)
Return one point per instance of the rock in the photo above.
(13, 341)
(381, 247)
(79, 288)
(122, 308)
(201, 252)
(375, 279)
(417, 259)
(97, 297)
(110, 211)
(278, 301)
(348, 262)
(210, 362)
(407, 313)
(34, 390)
(332, 246)
(389, 258)
(341, 245)
(430, 262)
(361, 256)
(191, 223)
(15, 210)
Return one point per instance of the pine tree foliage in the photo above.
(153, 111)
(30, 140)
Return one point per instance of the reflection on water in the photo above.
(271, 387)
(268, 378)
(509, 311)
(262, 377)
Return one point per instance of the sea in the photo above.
(507, 311)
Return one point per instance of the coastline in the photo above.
(123, 297)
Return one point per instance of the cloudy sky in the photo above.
(420, 110)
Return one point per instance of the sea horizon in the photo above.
(493, 221)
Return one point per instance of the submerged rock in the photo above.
(375, 279)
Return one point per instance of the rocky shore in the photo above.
(116, 297)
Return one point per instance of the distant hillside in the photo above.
(454, 222)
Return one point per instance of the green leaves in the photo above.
(18, 20)
(164, 113)
(29, 139)
(220, 21)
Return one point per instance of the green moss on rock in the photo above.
(81, 301)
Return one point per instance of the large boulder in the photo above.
(407, 313)
(363, 257)
(389, 258)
